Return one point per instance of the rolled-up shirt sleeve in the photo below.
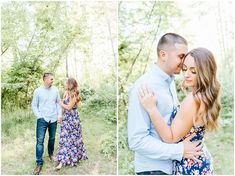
(35, 104)
(139, 137)
(58, 107)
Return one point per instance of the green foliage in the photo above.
(12, 122)
(222, 141)
(86, 92)
(102, 102)
(227, 94)
(35, 41)
(18, 83)
(122, 130)
(125, 155)
(126, 164)
(108, 145)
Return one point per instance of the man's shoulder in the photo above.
(41, 88)
(148, 79)
(138, 81)
(38, 89)
(54, 88)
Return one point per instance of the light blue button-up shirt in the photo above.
(151, 153)
(45, 103)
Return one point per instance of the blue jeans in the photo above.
(42, 126)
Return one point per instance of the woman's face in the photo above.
(66, 85)
(190, 72)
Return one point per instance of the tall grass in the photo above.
(17, 123)
(221, 146)
(99, 135)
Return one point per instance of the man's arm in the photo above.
(58, 107)
(35, 104)
(139, 137)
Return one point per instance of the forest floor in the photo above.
(19, 140)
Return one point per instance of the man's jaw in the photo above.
(177, 72)
(48, 85)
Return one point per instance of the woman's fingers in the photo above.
(150, 91)
(146, 94)
(141, 92)
(190, 137)
(199, 147)
(197, 160)
(140, 96)
(144, 89)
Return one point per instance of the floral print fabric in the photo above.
(190, 167)
(71, 146)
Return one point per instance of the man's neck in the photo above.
(46, 86)
(163, 68)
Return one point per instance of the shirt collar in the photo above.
(163, 74)
(45, 87)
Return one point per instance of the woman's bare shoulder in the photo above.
(189, 103)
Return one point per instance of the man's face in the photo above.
(48, 81)
(175, 56)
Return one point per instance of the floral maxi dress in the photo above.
(188, 166)
(71, 146)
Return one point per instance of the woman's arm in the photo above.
(65, 94)
(71, 104)
(181, 124)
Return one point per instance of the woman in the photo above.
(199, 111)
(71, 147)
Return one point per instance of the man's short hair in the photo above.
(46, 75)
(169, 39)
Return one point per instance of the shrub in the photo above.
(108, 144)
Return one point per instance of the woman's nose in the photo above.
(187, 74)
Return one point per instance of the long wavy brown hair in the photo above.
(72, 89)
(207, 91)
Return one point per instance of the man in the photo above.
(46, 108)
(152, 155)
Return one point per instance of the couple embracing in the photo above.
(50, 110)
(168, 138)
